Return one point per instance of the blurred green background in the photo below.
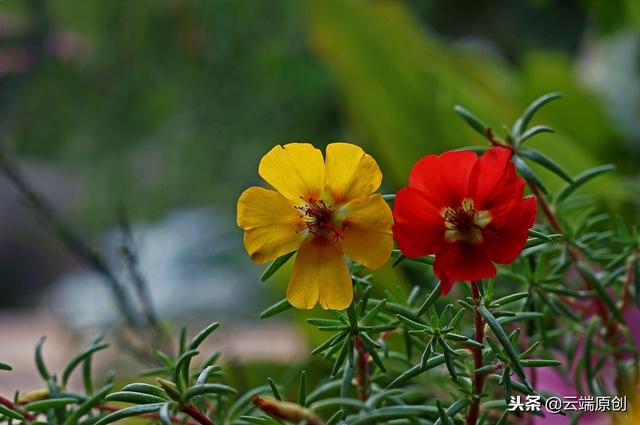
(158, 106)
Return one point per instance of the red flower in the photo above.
(466, 210)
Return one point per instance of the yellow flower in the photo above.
(324, 210)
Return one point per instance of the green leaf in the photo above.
(412, 323)
(529, 175)
(588, 354)
(385, 414)
(79, 358)
(602, 292)
(530, 350)
(165, 414)
(583, 178)
(302, 390)
(52, 403)
(347, 381)
(88, 404)
(428, 350)
(420, 260)
(370, 346)
(181, 371)
(521, 123)
(274, 389)
(346, 345)
(5, 411)
(353, 320)
(476, 149)
(275, 266)
(130, 411)
(504, 340)
(323, 389)
(510, 299)
(448, 359)
(453, 409)
(156, 371)
(204, 334)
(164, 358)
(444, 418)
(472, 120)
(539, 362)
(331, 342)
(141, 387)
(547, 163)
(503, 418)
(182, 341)
(276, 308)
(206, 372)
(201, 389)
(418, 369)
(42, 369)
(433, 296)
(335, 418)
(537, 234)
(338, 401)
(373, 312)
(238, 405)
(533, 131)
(135, 397)
(4, 366)
(526, 315)
(533, 242)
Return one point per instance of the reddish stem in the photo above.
(573, 254)
(362, 372)
(478, 378)
(8, 403)
(495, 141)
(612, 330)
(197, 415)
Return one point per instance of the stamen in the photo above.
(318, 218)
(464, 222)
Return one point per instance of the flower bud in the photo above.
(170, 388)
(286, 411)
(35, 395)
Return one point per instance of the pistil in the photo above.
(319, 219)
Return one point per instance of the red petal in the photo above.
(462, 261)
(494, 180)
(443, 179)
(419, 228)
(508, 230)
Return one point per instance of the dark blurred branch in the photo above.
(74, 242)
(130, 254)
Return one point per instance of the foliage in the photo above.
(416, 358)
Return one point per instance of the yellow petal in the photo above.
(272, 225)
(367, 236)
(350, 172)
(295, 170)
(320, 273)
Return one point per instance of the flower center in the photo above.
(464, 223)
(319, 219)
